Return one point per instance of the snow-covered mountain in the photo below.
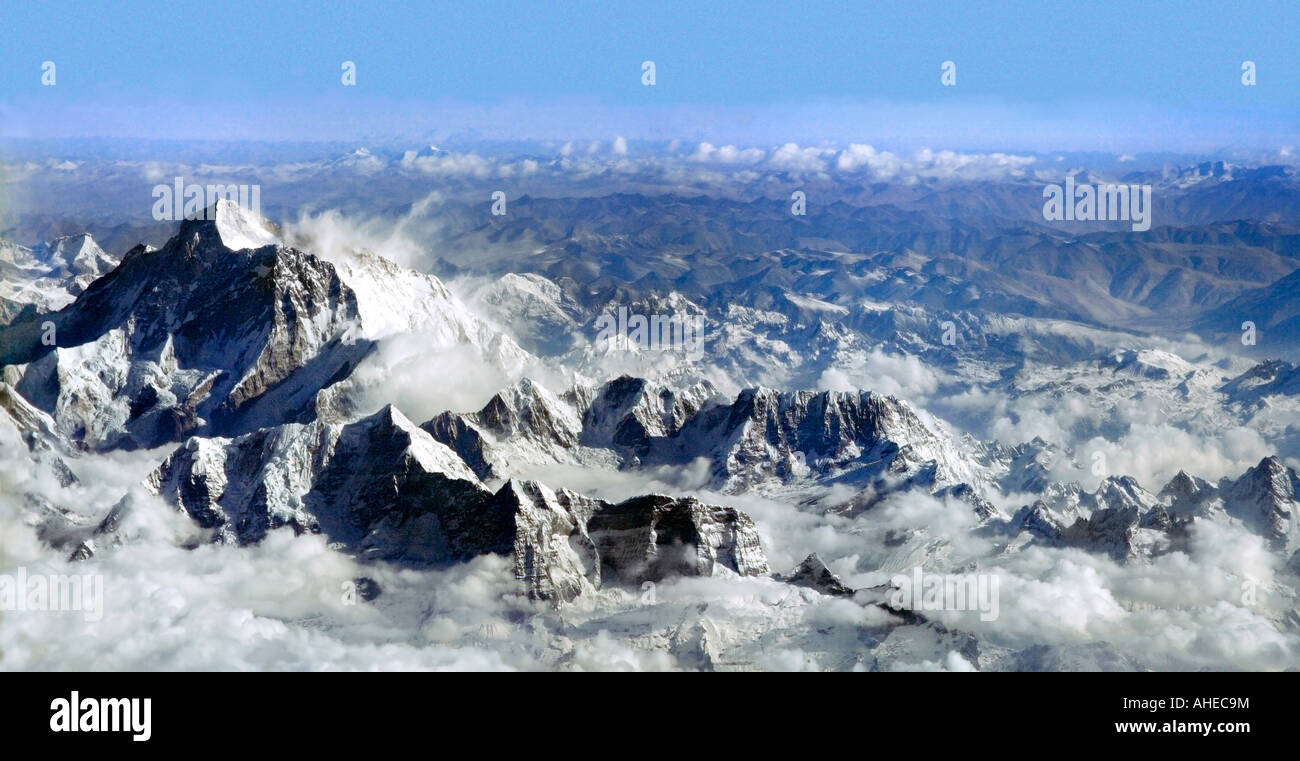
(223, 331)
(1127, 522)
(49, 276)
(383, 488)
(762, 439)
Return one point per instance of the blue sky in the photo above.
(1030, 75)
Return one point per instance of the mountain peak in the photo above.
(1183, 484)
(1271, 476)
(235, 227)
(78, 254)
(241, 228)
(813, 573)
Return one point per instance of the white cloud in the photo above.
(901, 375)
(790, 157)
(727, 154)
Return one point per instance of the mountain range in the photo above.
(864, 361)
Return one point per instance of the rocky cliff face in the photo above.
(383, 488)
(1264, 499)
(788, 436)
(632, 414)
(566, 543)
(523, 423)
(554, 555)
(611, 424)
(762, 437)
(654, 537)
(378, 486)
